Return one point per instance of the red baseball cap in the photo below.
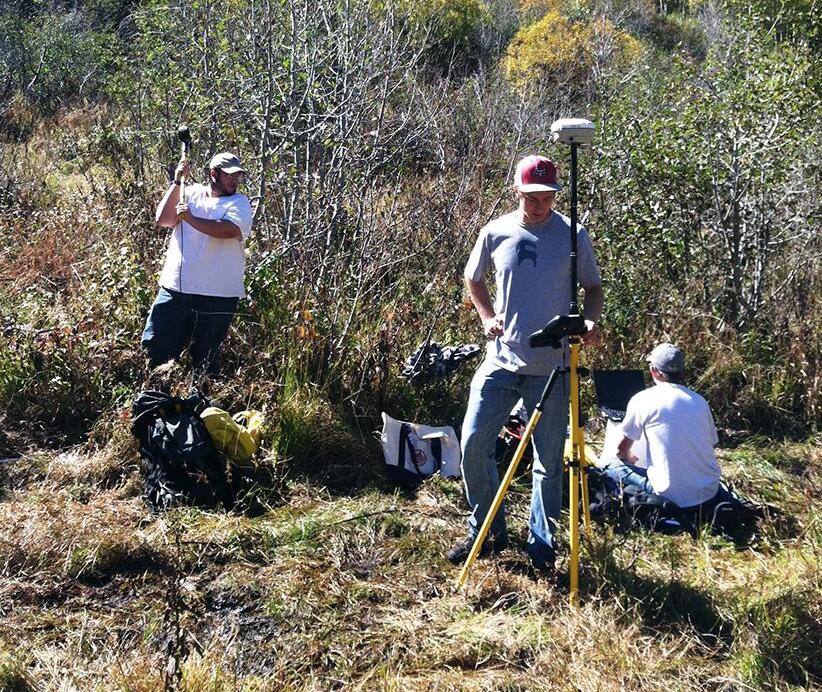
(536, 174)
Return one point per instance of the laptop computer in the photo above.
(614, 389)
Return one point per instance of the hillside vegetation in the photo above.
(379, 136)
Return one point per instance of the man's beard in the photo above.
(221, 189)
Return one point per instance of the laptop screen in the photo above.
(614, 388)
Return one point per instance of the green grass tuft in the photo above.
(13, 675)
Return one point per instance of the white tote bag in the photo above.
(414, 451)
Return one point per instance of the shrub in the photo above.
(702, 216)
(561, 51)
(789, 20)
(676, 32)
(452, 23)
(52, 60)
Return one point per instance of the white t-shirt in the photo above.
(680, 432)
(199, 264)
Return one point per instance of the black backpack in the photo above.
(180, 464)
(727, 514)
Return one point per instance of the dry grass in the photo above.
(334, 590)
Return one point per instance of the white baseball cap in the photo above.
(227, 163)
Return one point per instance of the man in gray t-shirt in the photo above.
(529, 251)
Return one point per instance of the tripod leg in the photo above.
(581, 456)
(586, 501)
(506, 481)
(503, 488)
(573, 529)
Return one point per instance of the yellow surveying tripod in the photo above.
(576, 460)
(571, 326)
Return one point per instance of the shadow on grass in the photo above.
(346, 477)
(666, 605)
(111, 560)
(783, 637)
(319, 449)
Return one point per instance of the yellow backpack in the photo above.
(237, 437)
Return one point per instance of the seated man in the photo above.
(680, 433)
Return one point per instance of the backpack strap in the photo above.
(405, 443)
(639, 498)
(436, 452)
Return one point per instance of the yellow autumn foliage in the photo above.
(538, 8)
(559, 49)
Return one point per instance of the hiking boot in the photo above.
(544, 569)
(461, 549)
(542, 561)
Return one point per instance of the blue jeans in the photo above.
(175, 318)
(627, 474)
(623, 474)
(494, 392)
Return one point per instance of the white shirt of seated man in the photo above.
(679, 429)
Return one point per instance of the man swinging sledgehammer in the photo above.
(202, 278)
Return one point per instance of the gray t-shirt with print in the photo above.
(532, 268)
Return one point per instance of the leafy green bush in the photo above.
(452, 23)
(676, 32)
(52, 60)
(789, 20)
(703, 181)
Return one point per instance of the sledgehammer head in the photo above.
(184, 135)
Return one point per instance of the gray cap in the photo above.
(667, 358)
(226, 162)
